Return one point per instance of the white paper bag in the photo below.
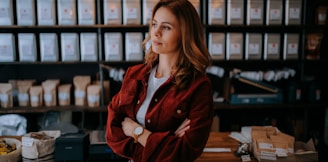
(33, 148)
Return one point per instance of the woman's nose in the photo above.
(157, 32)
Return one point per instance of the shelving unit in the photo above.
(66, 70)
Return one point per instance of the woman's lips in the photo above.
(156, 43)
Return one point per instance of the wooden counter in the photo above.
(222, 140)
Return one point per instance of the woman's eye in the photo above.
(166, 28)
(153, 24)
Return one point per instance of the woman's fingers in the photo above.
(183, 128)
(182, 131)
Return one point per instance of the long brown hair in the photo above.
(194, 57)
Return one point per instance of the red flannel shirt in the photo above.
(167, 110)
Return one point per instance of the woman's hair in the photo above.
(194, 57)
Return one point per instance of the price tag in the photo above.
(27, 141)
(245, 158)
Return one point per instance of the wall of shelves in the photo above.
(65, 71)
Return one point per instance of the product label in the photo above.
(23, 97)
(254, 48)
(217, 49)
(292, 48)
(112, 13)
(256, 13)
(275, 14)
(235, 48)
(273, 48)
(27, 141)
(294, 13)
(217, 13)
(236, 13)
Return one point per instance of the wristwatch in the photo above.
(137, 132)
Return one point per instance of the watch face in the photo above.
(138, 130)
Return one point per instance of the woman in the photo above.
(164, 109)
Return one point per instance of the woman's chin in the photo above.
(156, 50)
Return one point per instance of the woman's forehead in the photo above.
(164, 15)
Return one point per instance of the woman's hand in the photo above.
(128, 126)
(183, 128)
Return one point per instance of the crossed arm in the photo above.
(128, 126)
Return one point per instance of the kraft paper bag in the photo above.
(36, 145)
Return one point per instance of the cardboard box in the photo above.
(216, 45)
(27, 47)
(235, 46)
(112, 12)
(6, 17)
(25, 12)
(274, 11)
(70, 47)
(268, 143)
(113, 46)
(133, 48)
(86, 12)
(46, 12)
(131, 12)
(255, 12)
(306, 153)
(66, 10)
(235, 12)
(89, 46)
(271, 46)
(293, 12)
(253, 46)
(263, 150)
(147, 6)
(291, 46)
(49, 47)
(216, 12)
(302, 148)
(7, 47)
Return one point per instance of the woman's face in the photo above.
(165, 32)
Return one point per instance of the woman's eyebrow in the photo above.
(164, 22)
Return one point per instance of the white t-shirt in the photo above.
(153, 84)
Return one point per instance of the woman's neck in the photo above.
(164, 67)
(163, 70)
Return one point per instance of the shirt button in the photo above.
(179, 111)
(138, 101)
(156, 100)
(148, 120)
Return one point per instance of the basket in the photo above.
(15, 156)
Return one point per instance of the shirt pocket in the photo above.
(174, 111)
(128, 93)
(181, 111)
(126, 99)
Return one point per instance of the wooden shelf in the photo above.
(73, 28)
(96, 26)
(25, 110)
(217, 106)
(50, 63)
(254, 28)
(225, 106)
